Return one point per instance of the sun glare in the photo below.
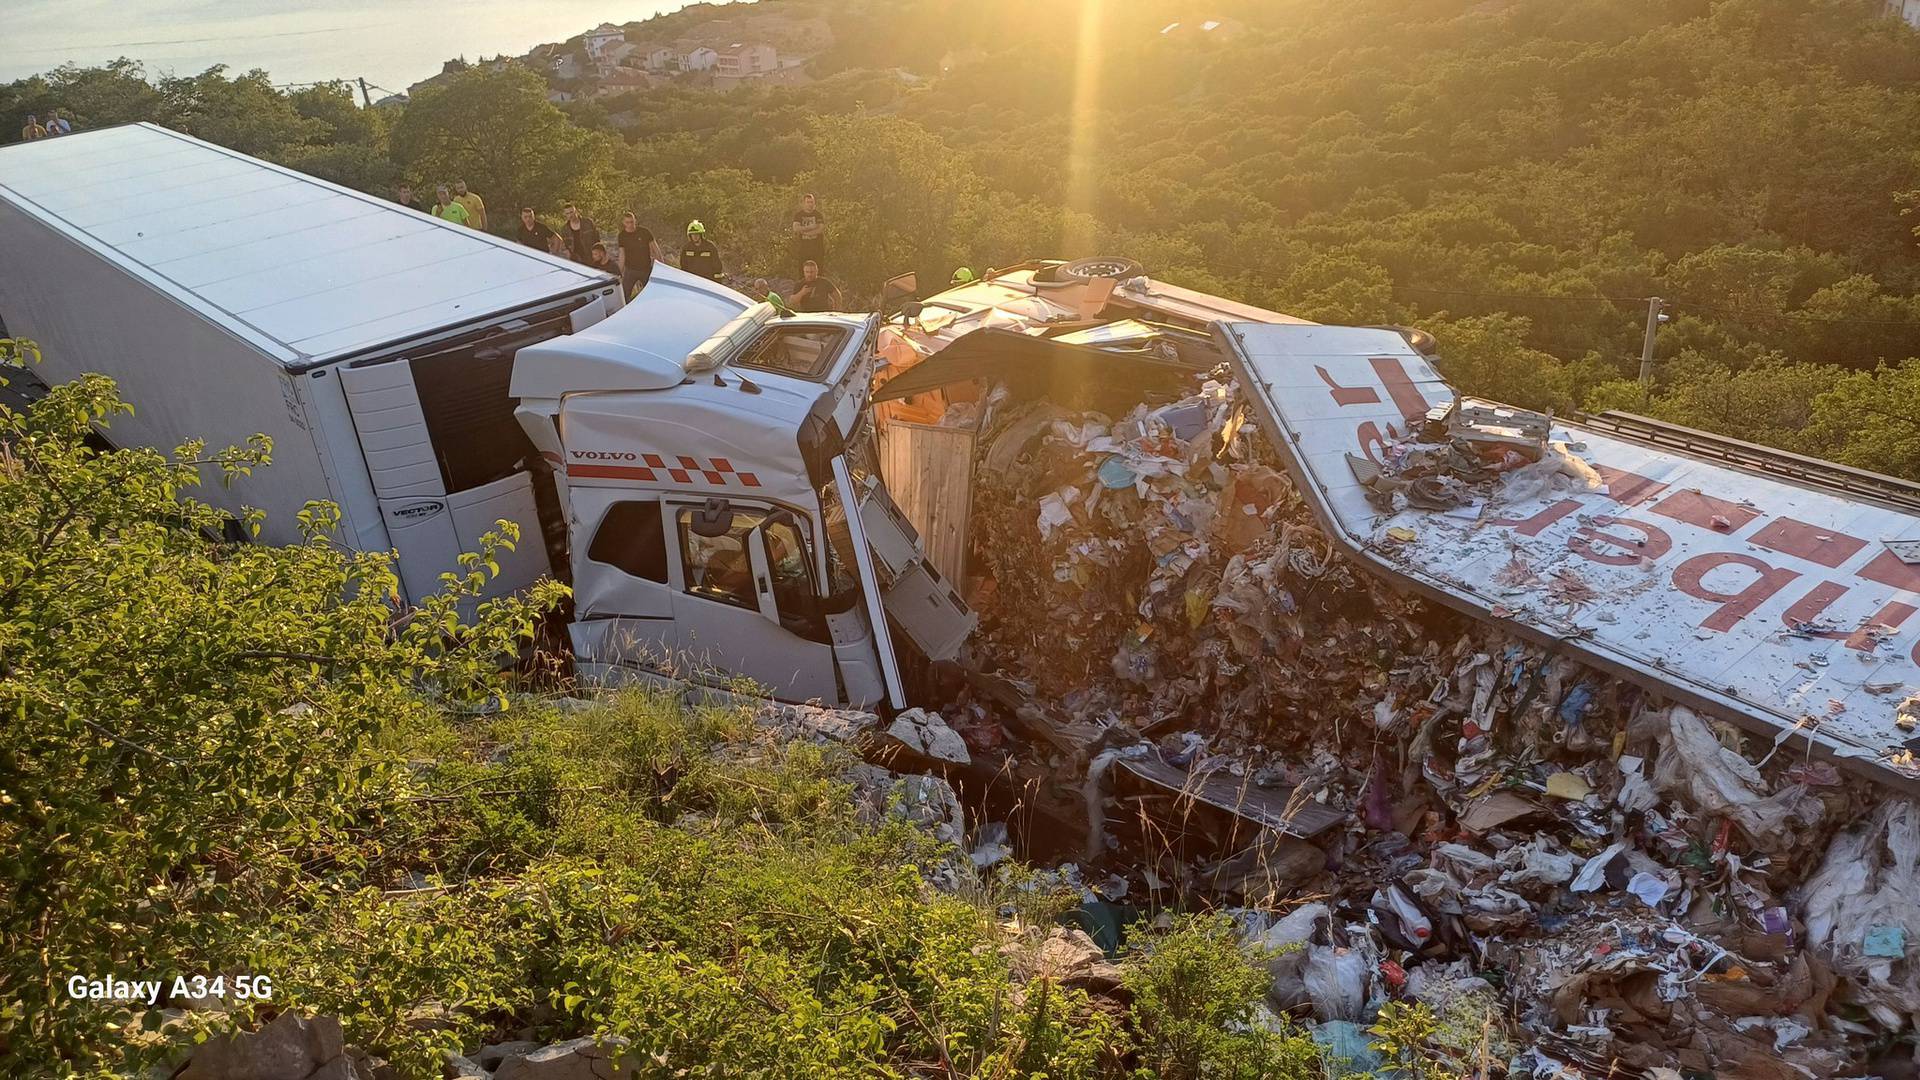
(1083, 135)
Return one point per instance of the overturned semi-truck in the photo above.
(1773, 590)
(737, 492)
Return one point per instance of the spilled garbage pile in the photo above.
(1594, 881)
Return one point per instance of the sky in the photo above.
(390, 43)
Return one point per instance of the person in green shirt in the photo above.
(445, 207)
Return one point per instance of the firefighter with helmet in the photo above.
(700, 256)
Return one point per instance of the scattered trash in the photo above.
(1565, 785)
(1246, 719)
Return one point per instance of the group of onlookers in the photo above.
(55, 124)
(631, 254)
(633, 249)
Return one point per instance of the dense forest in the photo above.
(213, 764)
(1516, 178)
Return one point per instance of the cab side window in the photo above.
(631, 539)
(721, 567)
(792, 571)
(717, 567)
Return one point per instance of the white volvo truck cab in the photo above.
(706, 449)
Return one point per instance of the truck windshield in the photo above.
(803, 351)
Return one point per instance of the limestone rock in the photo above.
(814, 723)
(576, 1059)
(462, 1068)
(1070, 958)
(291, 1047)
(926, 734)
(490, 1057)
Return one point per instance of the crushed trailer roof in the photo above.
(1783, 606)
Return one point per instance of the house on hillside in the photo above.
(601, 40)
(700, 59)
(660, 59)
(623, 81)
(738, 61)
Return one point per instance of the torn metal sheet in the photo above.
(1033, 366)
(1781, 605)
(1275, 809)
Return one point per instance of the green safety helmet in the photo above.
(694, 227)
(962, 276)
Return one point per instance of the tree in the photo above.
(895, 192)
(179, 707)
(244, 113)
(333, 104)
(497, 131)
(1871, 420)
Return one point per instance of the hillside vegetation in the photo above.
(1515, 177)
(231, 760)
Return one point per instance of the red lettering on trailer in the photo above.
(1890, 616)
(1372, 443)
(1406, 396)
(1887, 569)
(1531, 526)
(1810, 542)
(1586, 540)
(1699, 508)
(1808, 608)
(1344, 396)
(1628, 488)
(1689, 578)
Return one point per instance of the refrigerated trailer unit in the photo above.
(228, 296)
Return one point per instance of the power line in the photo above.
(1677, 304)
(1521, 296)
(1795, 316)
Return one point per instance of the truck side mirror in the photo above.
(714, 519)
(899, 286)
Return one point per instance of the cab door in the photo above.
(745, 601)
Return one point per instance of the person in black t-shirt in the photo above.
(814, 293)
(700, 256)
(534, 232)
(637, 254)
(809, 233)
(403, 194)
(601, 258)
(581, 234)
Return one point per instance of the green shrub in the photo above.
(1198, 1009)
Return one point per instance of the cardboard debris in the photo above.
(1247, 718)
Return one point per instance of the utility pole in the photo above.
(1654, 319)
(365, 100)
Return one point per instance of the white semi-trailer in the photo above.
(228, 296)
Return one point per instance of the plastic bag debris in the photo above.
(1716, 780)
(1868, 887)
(1336, 980)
